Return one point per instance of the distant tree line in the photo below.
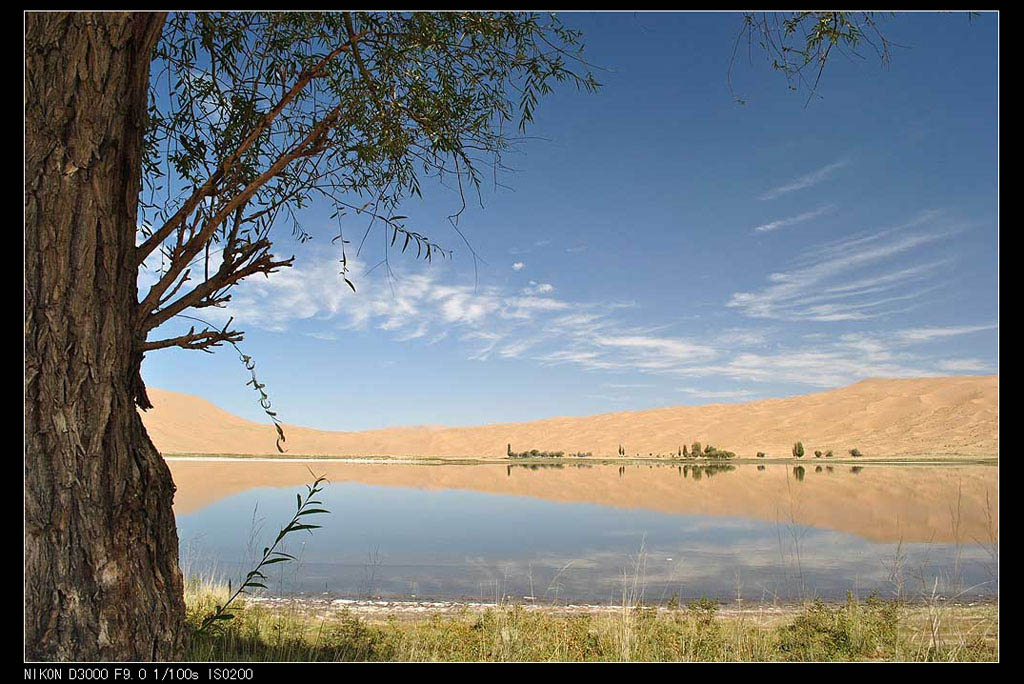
(536, 453)
(692, 451)
(798, 452)
(695, 450)
(709, 451)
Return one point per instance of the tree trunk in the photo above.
(101, 550)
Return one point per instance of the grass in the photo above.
(700, 631)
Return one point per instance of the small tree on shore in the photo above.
(798, 450)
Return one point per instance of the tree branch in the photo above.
(207, 189)
(309, 145)
(201, 340)
(228, 274)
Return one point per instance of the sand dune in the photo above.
(954, 416)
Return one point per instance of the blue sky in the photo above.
(660, 244)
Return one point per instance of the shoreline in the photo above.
(412, 608)
(602, 460)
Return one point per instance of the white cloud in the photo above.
(825, 362)
(835, 282)
(658, 352)
(717, 394)
(917, 335)
(530, 324)
(458, 305)
(828, 366)
(521, 305)
(966, 366)
(518, 266)
(536, 288)
(793, 220)
(417, 306)
(804, 181)
(307, 291)
(516, 349)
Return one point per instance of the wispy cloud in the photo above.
(658, 352)
(597, 341)
(805, 181)
(736, 395)
(851, 279)
(831, 366)
(824, 362)
(966, 366)
(918, 335)
(412, 306)
(793, 220)
(530, 324)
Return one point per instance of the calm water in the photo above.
(592, 533)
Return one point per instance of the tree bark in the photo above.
(101, 549)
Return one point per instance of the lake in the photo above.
(599, 533)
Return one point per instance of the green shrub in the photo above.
(820, 633)
(535, 453)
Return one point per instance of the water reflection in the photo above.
(545, 466)
(718, 529)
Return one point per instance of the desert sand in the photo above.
(940, 417)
